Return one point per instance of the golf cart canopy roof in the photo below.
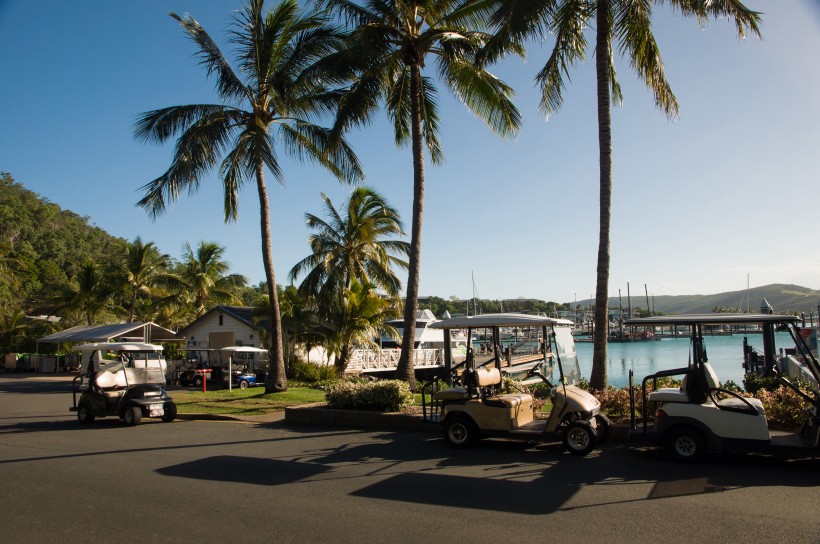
(119, 346)
(243, 349)
(498, 320)
(712, 319)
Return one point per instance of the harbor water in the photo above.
(725, 354)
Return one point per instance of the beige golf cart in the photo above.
(535, 350)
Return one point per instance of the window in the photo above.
(220, 320)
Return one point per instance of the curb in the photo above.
(321, 415)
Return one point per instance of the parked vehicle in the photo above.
(701, 415)
(474, 407)
(126, 380)
(243, 366)
(196, 361)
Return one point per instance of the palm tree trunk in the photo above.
(406, 370)
(341, 361)
(277, 382)
(603, 54)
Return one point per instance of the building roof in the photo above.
(243, 314)
(148, 332)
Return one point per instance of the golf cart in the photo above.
(243, 369)
(701, 415)
(197, 360)
(126, 380)
(538, 350)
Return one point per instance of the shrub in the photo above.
(383, 395)
(308, 372)
(753, 383)
(784, 408)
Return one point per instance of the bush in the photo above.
(382, 396)
(784, 408)
(308, 372)
(753, 383)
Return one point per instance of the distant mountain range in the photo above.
(783, 298)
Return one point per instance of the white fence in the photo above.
(364, 360)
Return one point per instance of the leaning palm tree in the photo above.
(203, 278)
(388, 49)
(352, 246)
(628, 23)
(273, 95)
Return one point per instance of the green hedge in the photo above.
(381, 396)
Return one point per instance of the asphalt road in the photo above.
(208, 481)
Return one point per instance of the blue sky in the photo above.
(730, 189)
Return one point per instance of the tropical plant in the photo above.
(628, 23)
(385, 55)
(146, 271)
(281, 97)
(203, 279)
(88, 295)
(356, 318)
(353, 247)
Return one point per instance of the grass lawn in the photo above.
(248, 402)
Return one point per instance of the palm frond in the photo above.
(228, 85)
(485, 95)
(569, 21)
(632, 26)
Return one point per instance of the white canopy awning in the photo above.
(145, 332)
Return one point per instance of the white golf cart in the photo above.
(540, 351)
(701, 415)
(126, 380)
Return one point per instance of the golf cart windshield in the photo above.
(565, 350)
(140, 367)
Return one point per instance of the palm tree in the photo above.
(146, 271)
(281, 97)
(353, 247)
(356, 318)
(204, 279)
(629, 24)
(87, 295)
(387, 51)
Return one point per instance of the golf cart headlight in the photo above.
(151, 394)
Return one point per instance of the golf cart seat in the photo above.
(111, 384)
(487, 378)
(673, 394)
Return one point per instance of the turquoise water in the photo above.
(725, 354)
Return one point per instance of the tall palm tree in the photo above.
(273, 95)
(146, 270)
(628, 24)
(388, 49)
(204, 278)
(353, 247)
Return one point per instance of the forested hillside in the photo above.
(45, 246)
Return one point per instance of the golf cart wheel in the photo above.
(243, 384)
(579, 437)
(602, 425)
(84, 414)
(687, 444)
(170, 412)
(198, 381)
(460, 431)
(132, 416)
